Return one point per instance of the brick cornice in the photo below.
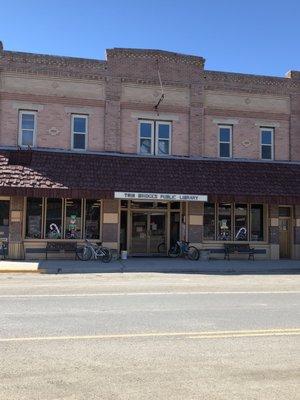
(245, 82)
(41, 64)
(152, 54)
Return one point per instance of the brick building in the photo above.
(145, 148)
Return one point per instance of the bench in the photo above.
(57, 247)
(240, 248)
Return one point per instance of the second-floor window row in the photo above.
(154, 137)
(226, 142)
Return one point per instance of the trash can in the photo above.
(124, 255)
(204, 255)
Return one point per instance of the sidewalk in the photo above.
(160, 265)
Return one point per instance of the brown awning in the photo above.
(62, 174)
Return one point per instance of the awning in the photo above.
(64, 174)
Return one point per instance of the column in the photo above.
(110, 224)
(15, 246)
(274, 232)
(112, 127)
(195, 222)
(196, 119)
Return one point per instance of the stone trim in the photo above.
(150, 107)
(230, 113)
(155, 116)
(225, 121)
(19, 105)
(35, 98)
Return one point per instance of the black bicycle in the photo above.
(182, 248)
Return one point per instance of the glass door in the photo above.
(285, 237)
(157, 233)
(148, 233)
(139, 239)
(4, 219)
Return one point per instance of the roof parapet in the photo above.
(293, 75)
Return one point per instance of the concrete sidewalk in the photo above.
(160, 265)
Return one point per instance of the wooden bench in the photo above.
(58, 247)
(239, 248)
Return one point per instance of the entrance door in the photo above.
(148, 232)
(285, 237)
(4, 219)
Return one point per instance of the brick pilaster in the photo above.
(112, 125)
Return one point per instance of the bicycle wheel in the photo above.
(174, 251)
(106, 258)
(161, 248)
(193, 253)
(84, 253)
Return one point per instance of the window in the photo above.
(79, 132)
(267, 147)
(225, 139)
(54, 218)
(27, 128)
(34, 218)
(236, 222)
(73, 219)
(224, 222)
(154, 137)
(240, 222)
(92, 219)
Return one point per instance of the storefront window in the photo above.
(92, 219)
(54, 218)
(4, 218)
(34, 218)
(73, 219)
(257, 222)
(209, 221)
(240, 222)
(224, 221)
(239, 213)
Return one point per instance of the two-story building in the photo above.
(145, 148)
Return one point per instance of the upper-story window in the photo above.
(27, 128)
(267, 143)
(79, 132)
(154, 137)
(225, 141)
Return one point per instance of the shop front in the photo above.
(45, 198)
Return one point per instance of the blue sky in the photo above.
(261, 37)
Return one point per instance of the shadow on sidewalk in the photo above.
(171, 266)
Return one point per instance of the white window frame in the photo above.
(147, 121)
(86, 117)
(156, 129)
(154, 136)
(230, 140)
(270, 129)
(20, 136)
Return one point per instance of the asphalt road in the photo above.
(149, 336)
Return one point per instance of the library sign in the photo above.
(159, 196)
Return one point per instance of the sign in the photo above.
(159, 196)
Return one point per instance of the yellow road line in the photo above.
(193, 335)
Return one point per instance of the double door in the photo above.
(148, 233)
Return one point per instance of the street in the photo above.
(149, 336)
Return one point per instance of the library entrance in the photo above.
(148, 233)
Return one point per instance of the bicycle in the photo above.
(182, 248)
(93, 250)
